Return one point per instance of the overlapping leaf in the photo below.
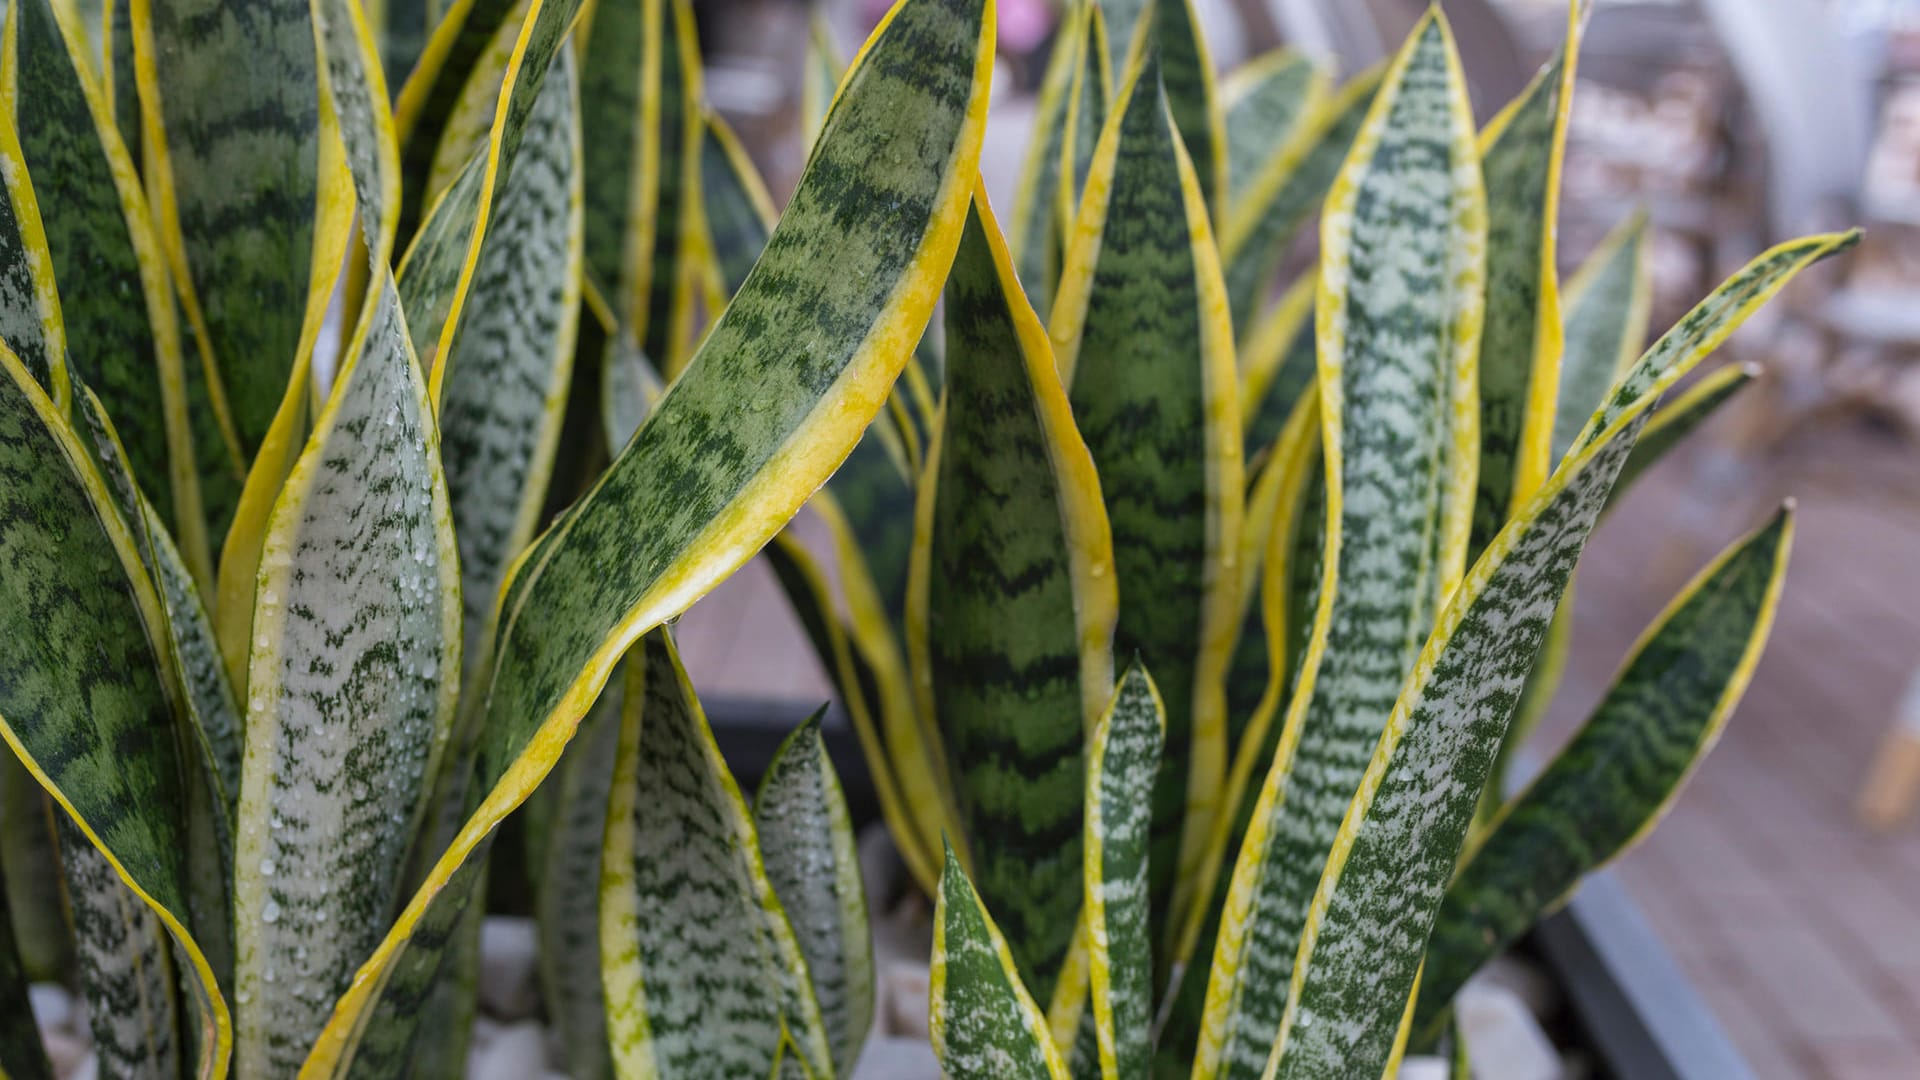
(1402, 260)
(1142, 335)
(21, 1055)
(1608, 304)
(985, 1025)
(1123, 756)
(1265, 101)
(1012, 605)
(1621, 771)
(702, 972)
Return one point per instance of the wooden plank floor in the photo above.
(1800, 929)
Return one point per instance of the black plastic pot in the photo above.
(1630, 1007)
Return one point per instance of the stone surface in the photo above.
(1504, 1041)
(518, 1052)
(508, 987)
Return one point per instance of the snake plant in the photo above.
(1326, 528)
(312, 312)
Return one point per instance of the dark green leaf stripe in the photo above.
(502, 399)
(86, 702)
(1265, 101)
(354, 667)
(1263, 220)
(1402, 257)
(1015, 603)
(1398, 846)
(404, 27)
(21, 1055)
(1521, 154)
(806, 841)
(215, 710)
(734, 204)
(1608, 304)
(693, 939)
(1186, 76)
(1142, 334)
(233, 118)
(985, 1024)
(1676, 419)
(566, 900)
(432, 92)
(118, 310)
(882, 200)
(30, 322)
(125, 976)
(118, 78)
(1123, 756)
(1621, 771)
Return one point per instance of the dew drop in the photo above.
(266, 867)
(270, 913)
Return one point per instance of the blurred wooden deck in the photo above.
(1800, 928)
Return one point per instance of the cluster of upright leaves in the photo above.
(292, 631)
(1339, 528)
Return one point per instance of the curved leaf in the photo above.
(87, 703)
(1397, 847)
(1622, 770)
(1126, 33)
(1123, 756)
(1186, 76)
(1011, 610)
(21, 1055)
(1522, 152)
(1402, 259)
(714, 481)
(1261, 224)
(985, 1025)
(32, 868)
(1265, 101)
(1043, 203)
(117, 305)
(1141, 332)
(1676, 419)
(806, 842)
(30, 320)
(432, 92)
(1277, 367)
(703, 974)
(735, 207)
(821, 70)
(126, 977)
(230, 94)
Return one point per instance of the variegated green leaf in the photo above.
(502, 398)
(352, 677)
(232, 125)
(631, 388)
(21, 1055)
(567, 890)
(1265, 101)
(735, 207)
(88, 704)
(426, 102)
(1277, 367)
(1074, 85)
(30, 321)
(117, 76)
(640, 88)
(1397, 847)
(1608, 304)
(32, 869)
(1402, 260)
(713, 480)
(117, 305)
(985, 1025)
(820, 74)
(1012, 605)
(1521, 155)
(806, 842)
(403, 28)
(693, 939)
(1091, 93)
(1143, 339)
(1676, 419)
(1186, 76)
(1123, 756)
(1263, 220)
(1624, 767)
(126, 975)
(215, 710)
(1125, 26)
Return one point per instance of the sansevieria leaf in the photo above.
(351, 686)
(735, 207)
(1265, 102)
(1012, 606)
(116, 302)
(1186, 73)
(736, 443)
(88, 704)
(693, 939)
(985, 1025)
(126, 976)
(1143, 340)
(21, 1055)
(806, 842)
(1125, 27)
(232, 130)
(821, 69)
(1123, 757)
(427, 100)
(1043, 204)
(30, 320)
(1676, 419)
(1608, 303)
(1401, 269)
(1397, 847)
(1605, 791)
(1261, 222)
(1521, 157)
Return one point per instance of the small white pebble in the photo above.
(516, 1054)
(52, 1006)
(508, 989)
